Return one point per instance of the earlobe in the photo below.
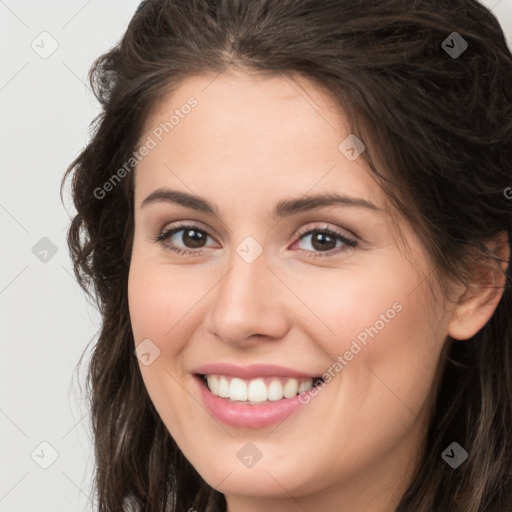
(479, 299)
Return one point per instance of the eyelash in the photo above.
(168, 233)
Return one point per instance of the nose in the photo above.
(248, 304)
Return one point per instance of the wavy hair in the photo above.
(438, 132)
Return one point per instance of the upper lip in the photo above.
(252, 371)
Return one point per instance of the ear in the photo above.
(478, 301)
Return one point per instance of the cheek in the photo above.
(158, 300)
(380, 337)
(354, 307)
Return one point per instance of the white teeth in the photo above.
(223, 387)
(257, 390)
(275, 391)
(213, 384)
(290, 388)
(305, 385)
(237, 390)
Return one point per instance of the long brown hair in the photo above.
(438, 132)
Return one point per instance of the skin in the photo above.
(251, 142)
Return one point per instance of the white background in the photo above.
(46, 322)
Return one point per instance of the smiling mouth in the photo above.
(257, 391)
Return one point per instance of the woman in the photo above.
(294, 217)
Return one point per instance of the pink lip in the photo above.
(246, 415)
(252, 371)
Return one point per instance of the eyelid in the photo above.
(350, 240)
(324, 227)
(179, 225)
(169, 230)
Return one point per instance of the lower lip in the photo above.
(246, 415)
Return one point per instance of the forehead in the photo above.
(250, 133)
(234, 91)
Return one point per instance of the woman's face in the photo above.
(277, 287)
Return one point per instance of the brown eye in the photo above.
(325, 240)
(183, 239)
(192, 238)
(321, 241)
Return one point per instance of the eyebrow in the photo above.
(284, 208)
